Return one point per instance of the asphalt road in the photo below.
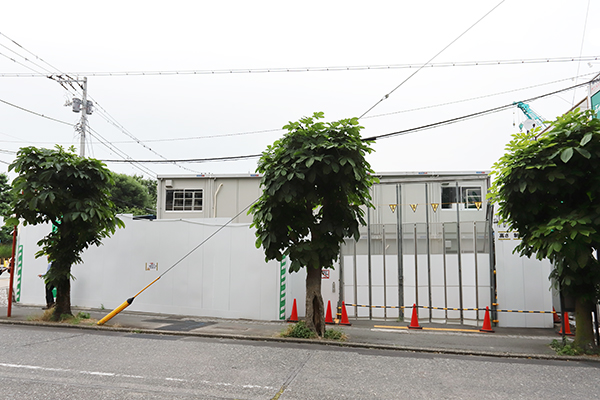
(58, 363)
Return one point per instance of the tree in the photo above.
(315, 179)
(132, 195)
(6, 196)
(151, 187)
(547, 188)
(73, 194)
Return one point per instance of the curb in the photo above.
(355, 345)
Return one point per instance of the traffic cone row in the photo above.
(328, 316)
(414, 321)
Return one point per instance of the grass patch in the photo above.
(570, 349)
(335, 334)
(300, 330)
(48, 316)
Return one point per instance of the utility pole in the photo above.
(83, 119)
(83, 105)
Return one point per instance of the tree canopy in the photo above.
(6, 197)
(547, 187)
(71, 193)
(315, 180)
(134, 195)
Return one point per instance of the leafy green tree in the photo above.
(151, 187)
(6, 196)
(132, 195)
(547, 188)
(315, 180)
(73, 194)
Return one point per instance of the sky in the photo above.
(121, 46)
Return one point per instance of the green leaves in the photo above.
(73, 193)
(314, 181)
(554, 204)
(586, 139)
(566, 154)
(583, 152)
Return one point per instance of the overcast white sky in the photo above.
(178, 116)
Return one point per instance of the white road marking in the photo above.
(111, 374)
(389, 330)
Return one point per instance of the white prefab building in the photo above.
(444, 260)
(207, 196)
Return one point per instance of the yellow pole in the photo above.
(124, 305)
(116, 311)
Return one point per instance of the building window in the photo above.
(184, 200)
(448, 197)
(470, 197)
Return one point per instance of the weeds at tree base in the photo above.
(570, 349)
(48, 316)
(301, 331)
(335, 334)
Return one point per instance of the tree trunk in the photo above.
(63, 293)
(584, 331)
(315, 312)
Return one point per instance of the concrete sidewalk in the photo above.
(433, 338)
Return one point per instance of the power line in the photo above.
(214, 136)
(368, 117)
(122, 154)
(114, 122)
(473, 115)
(35, 113)
(477, 97)
(386, 135)
(20, 63)
(582, 42)
(50, 65)
(63, 80)
(189, 160)
(430, 60)
(25, 58)
(275, 130)
(448, 64)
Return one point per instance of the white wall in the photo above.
(227, 277)
(522, 283)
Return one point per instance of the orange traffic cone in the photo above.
(344, 320)
(294, 316)
(328, 316)
(414, 321)
(555, 316)
(567, 326)
(487, 326)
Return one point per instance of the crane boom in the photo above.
(531, 115)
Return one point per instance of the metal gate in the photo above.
(444, 262)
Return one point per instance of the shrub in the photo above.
(301, 331)
(298, 330)
(570, 349)
(335, 334)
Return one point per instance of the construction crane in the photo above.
(533, 120)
